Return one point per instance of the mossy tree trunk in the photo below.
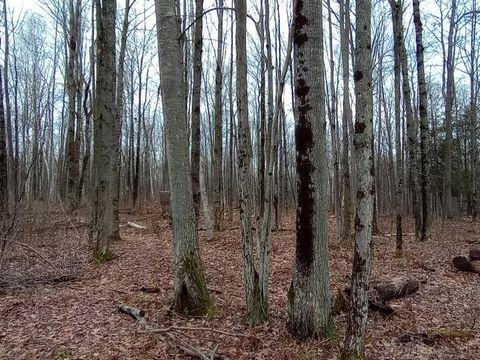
(309, 303)
(354, 347)
(191, 294)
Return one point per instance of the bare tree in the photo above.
(106, 129)
(424, 132)
(191, 294)
(354, 346)
(309, 308)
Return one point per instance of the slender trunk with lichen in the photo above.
(423, 112)
(346, 119)
(354, 346)
(398, 175)
(256, 311)
(191, 294)
(218, 148)
(196, 95)
(309, 303)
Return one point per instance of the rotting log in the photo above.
(396, 288)
(464, 264)
(379, 295)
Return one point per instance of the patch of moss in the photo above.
(331, 331)
(352, 356)
(453, 333)
(101, 257)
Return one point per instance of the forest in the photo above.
(261, 179)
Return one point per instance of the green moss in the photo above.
(331, 331)
(352, 356)
(453, 333)
(193, 299)
(101, 257)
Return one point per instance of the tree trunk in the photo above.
(256, 312)
(218, 148)
(3, 160)
(191, 294)
(196, 98)
(106, 134)
(346, 119)
(398, 175)
(309, 303)
(424, 142)
(357, 319)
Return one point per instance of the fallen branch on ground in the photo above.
(173, 337)
(136, 226)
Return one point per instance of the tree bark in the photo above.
(218, 141)
(106, 130)
(309, 303)
(354, 347)
(191, 294)
(196, 95)
(424, 132)
(346, 119)
(398, 175)
(256, 311)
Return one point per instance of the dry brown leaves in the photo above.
(79, 320)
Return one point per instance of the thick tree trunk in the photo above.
(357, 318)
(424, 132)
(309, 303)
(106, 133)
(191, 294)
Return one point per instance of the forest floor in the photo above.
(79, 319)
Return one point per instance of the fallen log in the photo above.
(474, 253)
(396, 288)
(380, 293)
(463, 264)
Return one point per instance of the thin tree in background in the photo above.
(398, 173)
(3, 158)
(309, 304)
(218, 203)
(106, 132)
(256, 312)
(347, 213)
(196, 95)
(354, 347)
(424, 133)
(191, 294)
